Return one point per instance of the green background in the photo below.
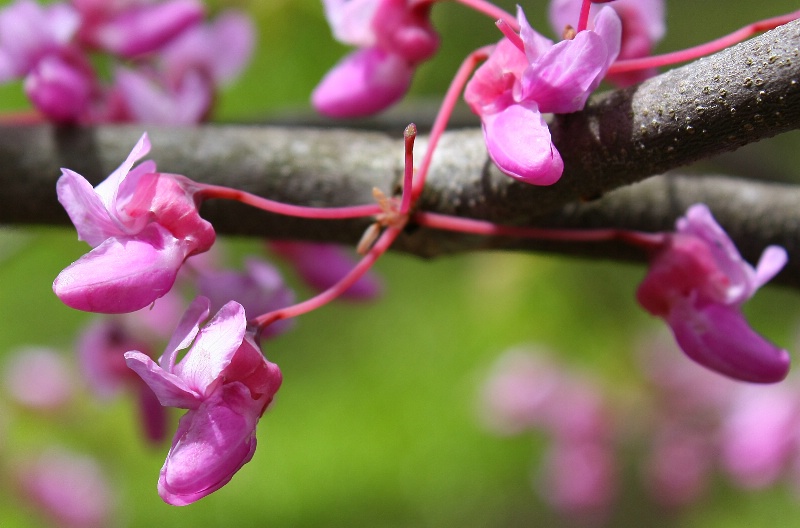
(376, 423)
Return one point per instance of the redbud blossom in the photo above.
(142, 225)
(516, 85)
(225, 382)
(697, 282)
(642, 28)
(394, 37)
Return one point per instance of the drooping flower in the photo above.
(226, 384)
(642, 28)
(521, 80)
(698, 282)
(142, 225)
(393, 37)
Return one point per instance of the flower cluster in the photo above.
(166, 63)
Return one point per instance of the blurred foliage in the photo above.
(376, 424)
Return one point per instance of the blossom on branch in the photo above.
(393, 37)
(226, 384)
(527, 75)
(698, 282)
(142, 225)
(643, 27)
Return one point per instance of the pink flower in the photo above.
(100, 353)
(70, 489)
(394, 37)
(323, 265)
(182, 85)
(642, 28)
(39, 378)
(130, 28)
(523, 79)
(142, 225)
(697, 282)
(225, 382)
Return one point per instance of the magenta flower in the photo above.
(225, 382)
(698, 282)
(521, 80)
(130, 28)
(642, 28)
(142, 225)
(393, 37)
(323, 265)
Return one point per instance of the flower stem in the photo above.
(482, 227)
(379, 248)
(583, 18)
(300, 211)
(702, 50)
(445, 111)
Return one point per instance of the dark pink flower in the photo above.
(697, 282)
(643, 27)
(393, 37)
(225, 382)
(142, 225)
(522, 80)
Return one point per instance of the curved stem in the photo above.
(583, 18)
(378, 249)
(445, 110)
(492, 11)
(481, 227)
(702, 50)
(300, 211)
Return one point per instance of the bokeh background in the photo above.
(377, 422)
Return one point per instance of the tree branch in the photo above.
(741, 95)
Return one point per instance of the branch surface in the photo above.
(741, 95)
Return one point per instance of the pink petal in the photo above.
(519, 143)
(186, 331)
(86, 209)
(363, 83)
(718, 337)
(212, 443)
(170, 389)
(122, 274)
(213, 349)
(61, 90)
(351, 21)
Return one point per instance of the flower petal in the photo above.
(170, 390)
(519, 143)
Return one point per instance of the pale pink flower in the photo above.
(225, 382)
(522, 80)
(39, 378)
(142, 225)
(70, 489)
(697, 282)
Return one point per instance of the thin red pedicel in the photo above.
(583, 18)
(702, 50)
(300, 211)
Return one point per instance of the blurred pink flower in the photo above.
(39, 378)
(523, 79)
(225, 382)
(393, 37)
(323, 265)
(129, 28)
(72, 490)
(697, 282)
(142, 225)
